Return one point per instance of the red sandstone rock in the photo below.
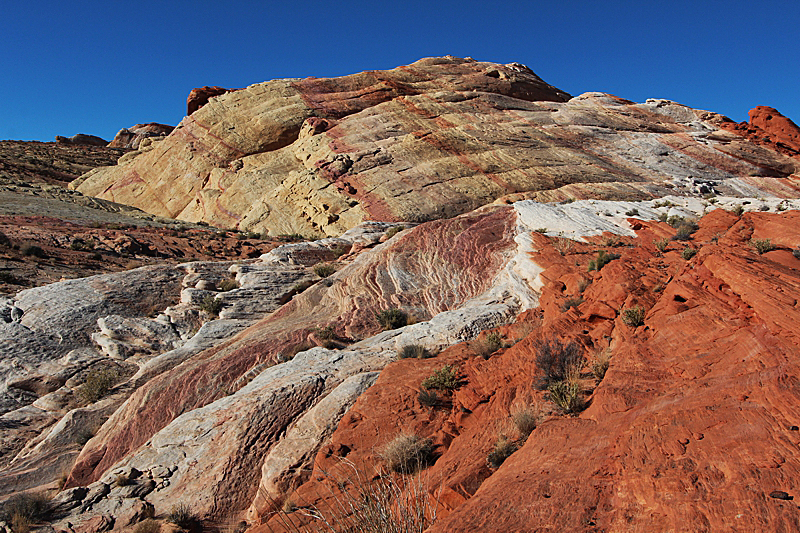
(199, 97)
(768, 127)
(132, 137)
(693, 427)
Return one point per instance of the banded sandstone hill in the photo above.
(253, 390)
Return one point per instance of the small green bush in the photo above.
(764, 207)
(301, 286)
(761, 246)
(567, 395)
(661, 244)
(634, 316)
(738, 210)
(391, 318)
(228, 285)
(211, 305)
(600, 364)
(446, 378)
(98, 383)
(324, 270)
(325, 333)
(525, 420)
(684, 232)
(502, 450)
(408, 453)
(603, 258)
(489, 344)
(182, 516)
(23, 510)
(540, 230)
(416, 351)
(688, 253)
(632, 213)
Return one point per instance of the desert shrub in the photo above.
(98, 383)
(738, 210)
(502, 450)
(688, 253)
(4, 240)
(8, 277)
(228, 285)
(632, 212)
(563, 245)
(407, 453)
(96, 256)
(764, 207)
(567, 395)
(31, 250)
(796, 253)
(761, 246)
(612, 242)
(83, 436)
(122, 480)
(661, 244)
(525, 420)
(665, 203)
(781, 207)
(634, 316)
(554, 360)
(391, 232)
(416, 351)
(603, 258)
(182, 516)
(147, 526)
(684, 232)
(583, 283)
(446, 378)
(489, 344)
(211, 305)
(540, 230)
(21, 511)
(392, 318)
(600, 364)
(324, 270)
(325, 333)
(290, 237)
(571, 302)
(301, 286)
(428, 398)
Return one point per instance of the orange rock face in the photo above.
(768, 127)
(199, 97)
(693, 428)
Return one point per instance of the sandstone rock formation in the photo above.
(199, 97)
(132, 138)
(82, 138)
(433, 139)
(769, 128)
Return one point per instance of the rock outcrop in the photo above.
(199, 97)
(132, 138)
(433, 139)
(83, 139)
(768, 127)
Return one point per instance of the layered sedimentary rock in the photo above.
(433, 139)
(768, 127)
(132, 137)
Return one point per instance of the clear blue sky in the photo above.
(95, 67)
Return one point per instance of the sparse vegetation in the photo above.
(182, 516)
(600, 364)
(147, 526)
(211, 305)
(391, 232)
(540, 230)
(525, 420)
(603, 258)
(407, 453)
(4, 240)
(8, 277)
(555, 360)
(301, 286)
(446, 378)
(632, 212)
(688, 253)
(502, 450)
(415, 351)
(290, 237)
(764, 207)
(98, 383)
(392, 318)
(428, 398)
(325, 333)
(228, 285)
(738, 210)
(489, 344)
(634, 316)
(583, 284)
(562, 245)
(22, 511)
(796, 253)
(568, 395)
(31, 250)
(122, 480)
(761, 246)
(661, 244)
(665, 203)
(571, 302)
(324, 270)
(781, 207)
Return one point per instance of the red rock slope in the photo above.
(693, 428)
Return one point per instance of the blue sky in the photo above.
(95, 67)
